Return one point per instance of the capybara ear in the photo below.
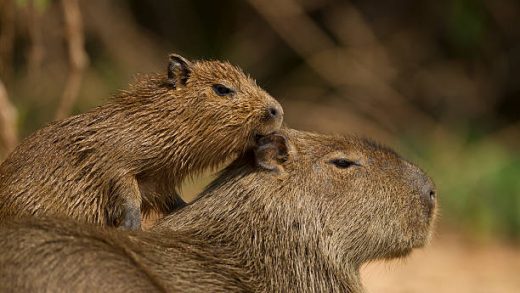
(271, 151)
(179, 69)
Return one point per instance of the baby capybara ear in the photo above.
(271, 151)
(179, 69)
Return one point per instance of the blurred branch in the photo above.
(333, 63)
(7, 30)
(8, 135)
(113, 23)
(77, 56)
(34, 31)
(296, 29)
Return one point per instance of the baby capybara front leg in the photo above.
(124, 211)
(131, 217)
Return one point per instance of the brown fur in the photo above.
(129, 155)
(285, 220)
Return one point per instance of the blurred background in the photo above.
(437, 80)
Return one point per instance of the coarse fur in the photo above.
(127, 157)
(301, 213)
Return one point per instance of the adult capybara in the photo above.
(300, 213)
(128, 156)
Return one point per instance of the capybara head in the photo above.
(210, 108)
(371, 202)
(235, 99)
(362, 200)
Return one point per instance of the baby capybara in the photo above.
(127, 157)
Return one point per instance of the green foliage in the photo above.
(466, 25)
(479, 186)
(39, 5)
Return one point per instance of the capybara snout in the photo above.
(424, 188)
(272, 117)
(274, 113)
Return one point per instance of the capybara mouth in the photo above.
(422, 242)
(258, 136)
(423, 235)
(400, 253)
(271, 122)
(266, 130)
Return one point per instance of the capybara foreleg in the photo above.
(129, 195)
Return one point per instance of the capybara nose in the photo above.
(430, 197)
(424, 188)
(274, 113)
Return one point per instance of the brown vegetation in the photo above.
(8, 135)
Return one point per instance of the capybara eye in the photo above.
(343, 163)
(222, 90)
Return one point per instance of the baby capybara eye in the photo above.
(222, 90)
(343, 163)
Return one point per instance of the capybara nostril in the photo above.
(429, 196)
(273, 112)
(432, 195)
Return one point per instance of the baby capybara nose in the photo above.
(274, 112)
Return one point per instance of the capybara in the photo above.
(300, 213)
(127, 157)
